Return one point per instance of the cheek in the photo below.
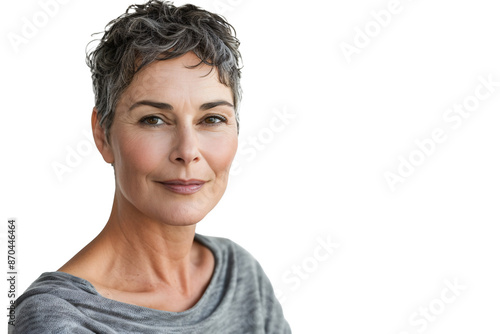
(139, 154)
(219, 152)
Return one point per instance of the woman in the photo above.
(166, 83)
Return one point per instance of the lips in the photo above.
(184, 187)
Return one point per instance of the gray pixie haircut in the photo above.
(158, 30)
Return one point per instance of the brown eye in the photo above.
(152, 120)
(212, 120)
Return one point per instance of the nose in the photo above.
(185, 149)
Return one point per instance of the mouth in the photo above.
(183, 187)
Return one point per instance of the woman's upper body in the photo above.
(238, 299)
(166, 81)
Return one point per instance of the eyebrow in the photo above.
(166, 106)
(210, 105)
(159, 105)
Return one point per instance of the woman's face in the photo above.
(172, 141)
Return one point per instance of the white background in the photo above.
(321, 177)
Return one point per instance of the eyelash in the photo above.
(221, 119)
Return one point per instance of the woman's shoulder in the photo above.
(251, 291)
(43, 313)
(227, 249)
(46, 306)
(56, 286)
(236, 261)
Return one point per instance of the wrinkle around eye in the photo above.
(157, 121)
(219, 119)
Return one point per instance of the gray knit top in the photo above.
(239, 299)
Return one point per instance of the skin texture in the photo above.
(145, 255)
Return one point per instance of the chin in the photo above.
(182, 220)
(182, 215)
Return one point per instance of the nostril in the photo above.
(183, 160)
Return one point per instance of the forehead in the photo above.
(176, 79)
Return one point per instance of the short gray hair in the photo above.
(158, 30)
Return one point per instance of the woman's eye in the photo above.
(152, 120)
(211, 120)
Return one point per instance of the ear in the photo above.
(100, 139)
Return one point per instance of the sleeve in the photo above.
(44, 314)
(254, 280)
(275, 321)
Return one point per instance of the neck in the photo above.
(135, 252)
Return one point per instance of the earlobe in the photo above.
(100, 139)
